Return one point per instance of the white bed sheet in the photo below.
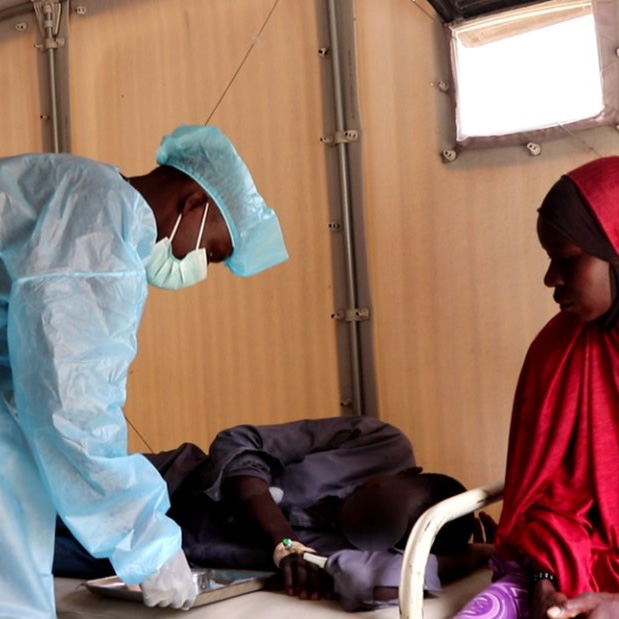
(75, 602)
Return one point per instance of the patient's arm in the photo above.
(453, 566)
(365, 579)
(382, 594)
(252, 497)
(450, 567)
(370, 579)
(456, 565)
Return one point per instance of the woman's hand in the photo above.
(305, 580)
(545, 596)
(590, 605)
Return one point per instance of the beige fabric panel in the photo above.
(455, 266)
(20, 123)
(230, 351)
(456, 269)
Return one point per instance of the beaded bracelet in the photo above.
(287, 547)
(544, 576)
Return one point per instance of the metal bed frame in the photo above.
(423, 535)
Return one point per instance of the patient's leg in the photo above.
(72, 560)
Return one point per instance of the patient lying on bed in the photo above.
(346, 487)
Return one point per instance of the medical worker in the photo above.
(78, 243)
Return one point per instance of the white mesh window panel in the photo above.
(526, 69)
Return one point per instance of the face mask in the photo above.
(165, 270)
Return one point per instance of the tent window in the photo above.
(522, 73)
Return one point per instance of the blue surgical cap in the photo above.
(206, 155)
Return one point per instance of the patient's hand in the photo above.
(476, 554)
(545, 596)
(305, 580)
(485, 529)
(457, 565)
(590, 605)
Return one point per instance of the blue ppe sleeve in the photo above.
(73, 240)
(71, 340)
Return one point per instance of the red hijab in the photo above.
(561, 504)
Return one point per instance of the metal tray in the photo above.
(212, 584)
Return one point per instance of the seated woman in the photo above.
(346, 487)
(558, 535)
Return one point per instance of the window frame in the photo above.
(605, 18)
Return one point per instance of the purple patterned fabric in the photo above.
(508, 597)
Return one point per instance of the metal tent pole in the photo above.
(341, 139)
(48, 27)
(49, 13)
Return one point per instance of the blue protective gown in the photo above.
(74, 236)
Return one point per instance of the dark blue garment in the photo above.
(315, 463)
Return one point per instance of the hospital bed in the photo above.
(74, 601)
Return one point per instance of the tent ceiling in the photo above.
(9, 4)
(450, 10)
(10, 8)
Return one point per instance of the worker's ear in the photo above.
(196, 199)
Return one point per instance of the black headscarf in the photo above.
(565, 209)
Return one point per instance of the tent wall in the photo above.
(455, 268)
(232, 350)
(19, 102)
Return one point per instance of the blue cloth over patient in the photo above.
(73, 240)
